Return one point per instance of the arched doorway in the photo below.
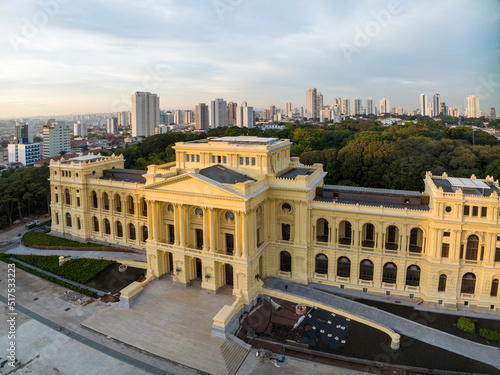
(198, 268)
(229, 274)
(468, 283)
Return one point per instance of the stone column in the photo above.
(176, 224)
(150, 219)
(244, 234)
(156, 220)
(237, 240)
(212, 229)
(182, 226)
(205, 228)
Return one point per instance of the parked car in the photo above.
(30, 225)
(37, 222)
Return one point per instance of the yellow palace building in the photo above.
(232, 210)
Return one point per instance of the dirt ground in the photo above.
(112, 280)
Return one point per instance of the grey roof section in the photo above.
(242, 140)
(449, 188)
(127, 175)
(84, 159)
(373, 204)
(224, 175)
(294, 172)
(357, 189)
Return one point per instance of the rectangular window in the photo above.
(445, 250)
(285, 232)
(187, 157)
(78, 201)
(484, 211)
(241, 161)
(247, 160)
(474, 211)
(253, 161)
(461, 251)
(213, 159)
(466, 210)
(229, 244)
(224, 160)
(171, 234)
(57, 198)
(219, 159)
(192, 158)
(199, 239)
(446, 234)
(197, 158)
(482, 252)
(497, 254)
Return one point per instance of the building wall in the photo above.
(175, 205)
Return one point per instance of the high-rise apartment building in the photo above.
(218, 113)
(319, 103)
(312, 103)
(423, 104)
(80, 129)
(112, 125)
(145, 114)
(56, 139)
(272, 111)
(473, 109)
(123, 119)
(453, 111)
(24, 153)
(231, 113)
(24, 131)
(245, 116)
(358, 105)
(202, 117)
(346, 107)
(188, 117)
(436, 105)
(178, 117)
(493, 113)
(369, 107)
(443, 109)
(384, 106)
(288, 110)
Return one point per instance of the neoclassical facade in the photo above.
(233, 209)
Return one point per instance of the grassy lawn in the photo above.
(45, 239)
(80, 270)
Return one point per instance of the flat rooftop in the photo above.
(224, 175)
(240, 140)
(86, 158)
(294, 172)
(357, 189)
(469, 186)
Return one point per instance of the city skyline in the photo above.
(62, 59)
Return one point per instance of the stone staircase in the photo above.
(175, 323)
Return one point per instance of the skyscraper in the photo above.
(218, 113)
(311, 103)
(123, 118)
(436, 105)
(319, 104)
(346, 108)
(358, 104)
(384, 106)
(473, 109)
(272, 111)
(178, 117)
(444, 109)
(423, 104)
(201, 117)
(188, 117)
(493, 113)
(244, 116)
(369, 107)
(145, 114)
(112, 125)
(80, 129)
(231, 113)
(24, 131)
(288, 110)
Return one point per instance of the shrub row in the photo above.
(44, 239)
(489, 335)
(467, 325)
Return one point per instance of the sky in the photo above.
(73, 56)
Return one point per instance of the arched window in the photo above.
(343, 267)
(366, 270)
(118, 203)
(119, 229)
(144, 233)
(389, 273)
(131, 231)
(67, 196)
(391, 237)
(286, 207)
(68, 220)
(96, 224)
(198, 211)
(494, 288)
(144, 207)
(79, 225)
(322, 230)
(285, 261)
(94, 199)
(442, 283)
(472, 247)
(229, 215)
(416, 240)
(321, 264)
(345, 233)
(413, 275)
(107, 226)
(131, 207)
(468, 283)
(368, 235)
(105, 201)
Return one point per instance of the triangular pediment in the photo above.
(195, 184)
